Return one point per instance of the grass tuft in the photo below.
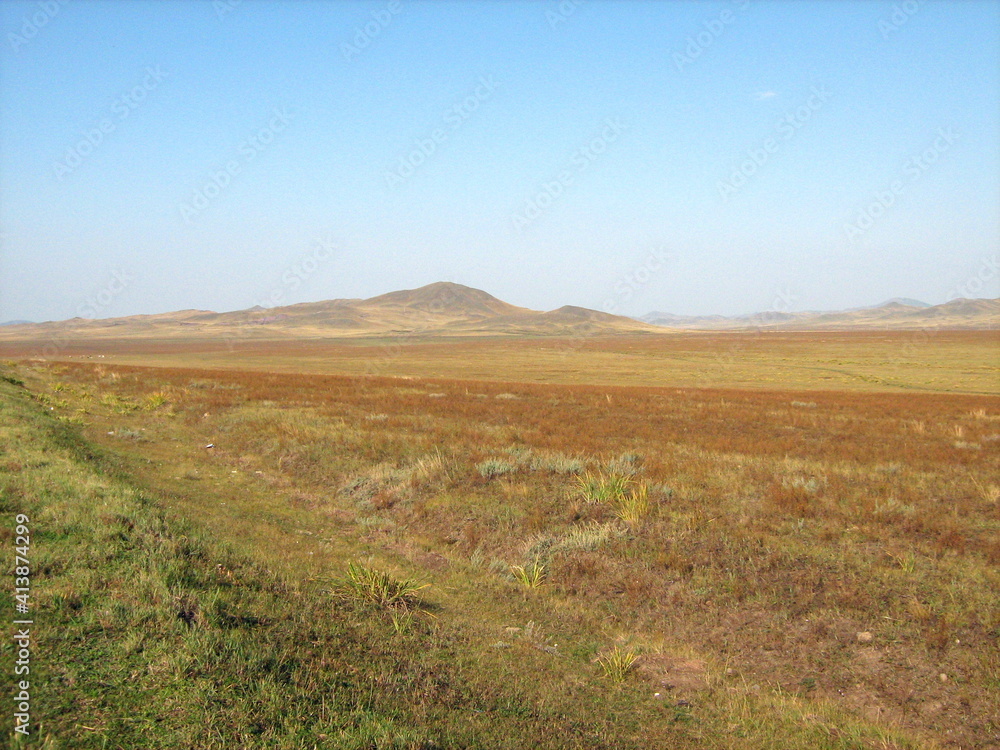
(616, 664)
(531, 576)
(365, 584)
(155, 400)
(988, 492)
(597, 488)
(629, 499)
(634, 506)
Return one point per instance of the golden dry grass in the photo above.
(896, 361)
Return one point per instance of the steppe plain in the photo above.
(436, 531)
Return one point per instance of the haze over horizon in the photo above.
(718, 158)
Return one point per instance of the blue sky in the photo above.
(629, 156)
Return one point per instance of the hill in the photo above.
(909, 301)
(442, 308)
(900, 313)
(448, 309)
(444, 298)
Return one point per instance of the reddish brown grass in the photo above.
(779, 531)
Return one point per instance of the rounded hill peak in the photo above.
(445, 298)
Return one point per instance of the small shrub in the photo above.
(624, 465)
(809, 485)
(495, 467)
(617, 664)
(587, 537)
(662, 490)
(523, 455)
(556, 463)
(566, 465)
(542, 546)
(375, 522)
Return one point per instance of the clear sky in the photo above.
(692, 158)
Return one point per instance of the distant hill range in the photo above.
(442, 308)
(899, 313)
(446, 309)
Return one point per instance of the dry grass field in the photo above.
(902, 361)
(808, 557)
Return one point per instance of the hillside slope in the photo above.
(900, 314)
(439, 308)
